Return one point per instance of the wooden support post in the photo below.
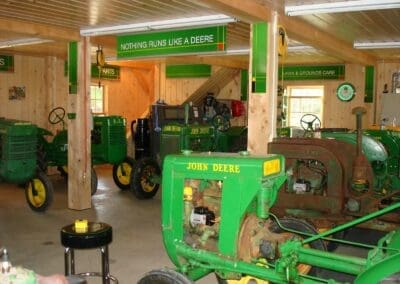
(263, 99)
(79, 150)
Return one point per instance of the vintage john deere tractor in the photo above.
(18, 143)
(178, 128)
(216, 218)
(342, 176)
(108, 142)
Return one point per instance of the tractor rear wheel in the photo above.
(39, 192)
(141, 183)
(122, 173)
(94, 182)
(164, 276)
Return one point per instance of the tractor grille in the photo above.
(117, 135)
(18, 147)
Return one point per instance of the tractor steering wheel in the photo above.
(309, 122)
(56, 115)
(221, 123)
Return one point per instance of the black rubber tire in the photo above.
(145, 168)
(93, 182)
(164, 276)
(341, 235)
(41, 160)
(122, 173)
(39, 192)
(301, 226)
(63, 172)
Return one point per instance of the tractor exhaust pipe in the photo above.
(360, 177)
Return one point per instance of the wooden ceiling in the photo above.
(331, 34)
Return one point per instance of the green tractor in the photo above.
(18, 144)
(216, 219)
(340, 176)
(108, 145)
(178, 128)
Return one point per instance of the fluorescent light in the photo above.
(301, 48)
(237, 51)
(376, 45)
(159, 25)
(23, 41)
(342, 6)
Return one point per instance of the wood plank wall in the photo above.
(336, 112)
(47, 87)
(45, 84)
(384, 76)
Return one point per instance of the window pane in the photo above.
(304, 100)
(96, 99)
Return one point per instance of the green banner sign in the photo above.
(188, 71)
(109, 72)
(328, 72)
(209, 39)
(6, 63)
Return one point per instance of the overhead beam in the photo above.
(39, 30)
(308, 34)
(238, 62)
(246, 11)
(251, 11)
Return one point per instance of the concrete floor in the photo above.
(33, 239)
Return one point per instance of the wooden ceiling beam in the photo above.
(238, 62)
(246, 11)
(39, 30)
(307, 34)
(251, 11)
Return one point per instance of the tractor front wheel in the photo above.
(39, 192)
(142, 178)
(164, 276)
(122, 173)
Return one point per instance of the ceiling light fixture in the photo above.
(243, 51)
(23, 41)
(301, 48)
(341, 6)
(159, 25)
(376, 45)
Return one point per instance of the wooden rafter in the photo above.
(252, 11)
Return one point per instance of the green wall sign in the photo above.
(109, 72)
(209, 39)
(327, 72)
(188, 71)
(6, 63)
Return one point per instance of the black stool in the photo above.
(90, 235)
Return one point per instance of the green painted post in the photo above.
(259, 57)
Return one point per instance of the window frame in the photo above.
(289, 91)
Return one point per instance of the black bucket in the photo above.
(141, 138)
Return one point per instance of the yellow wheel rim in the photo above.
(36, 193)
(124, 173)
(146, 185)
(247, 280)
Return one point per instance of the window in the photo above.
(303, 100)
(97, 99)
